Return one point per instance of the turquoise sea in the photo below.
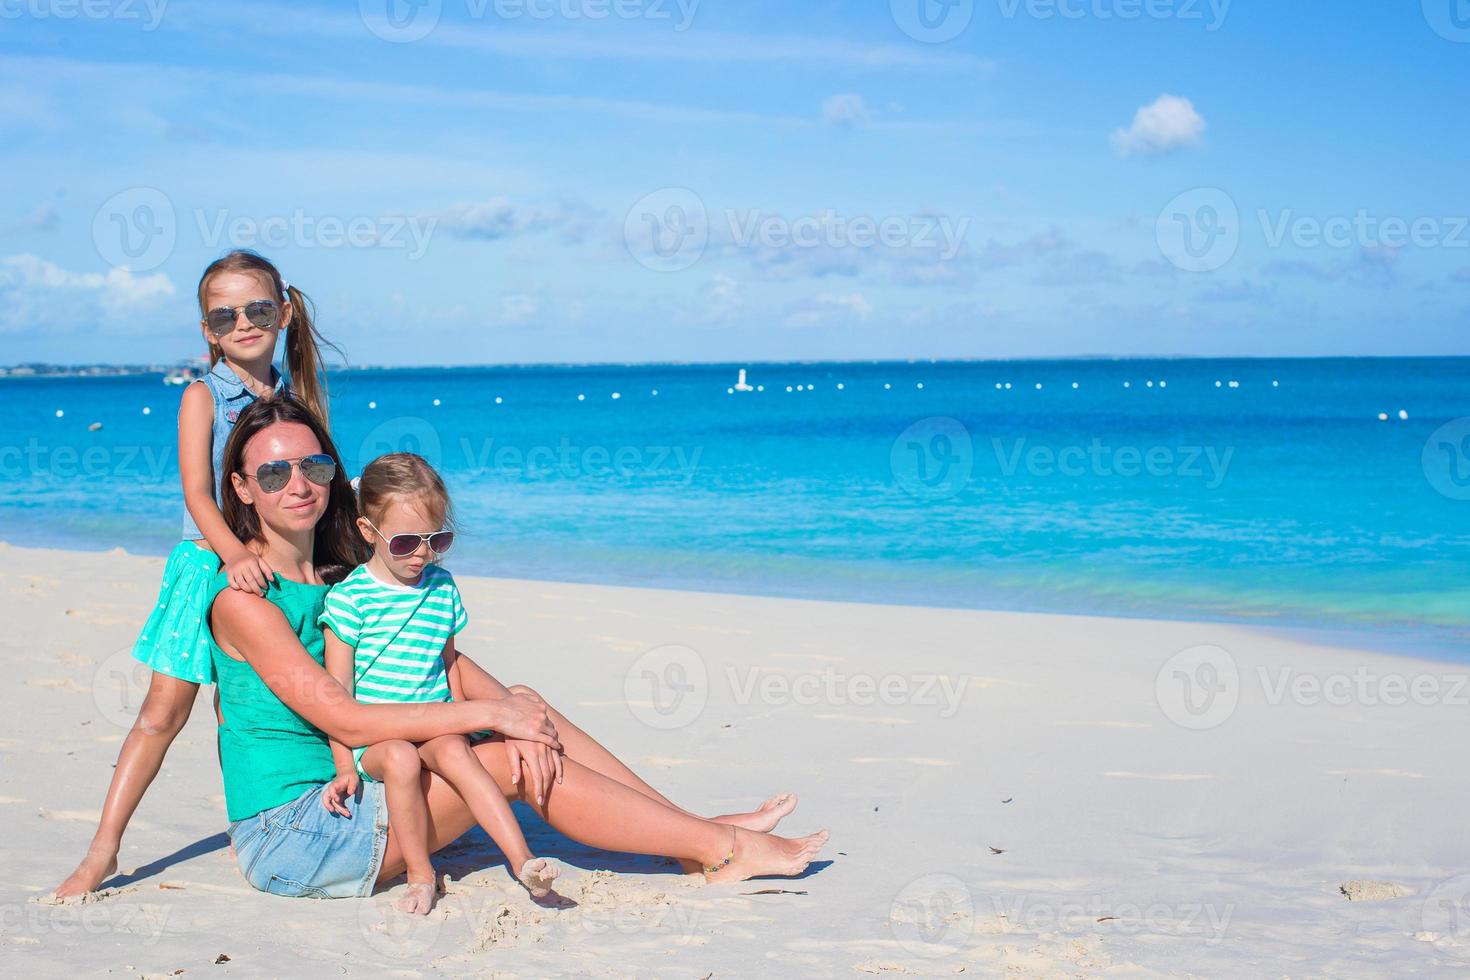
(1265, 491)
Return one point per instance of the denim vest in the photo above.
(231, 397)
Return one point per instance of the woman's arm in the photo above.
(476, 681)
(451, 670)
(253, 629)
(196, 472)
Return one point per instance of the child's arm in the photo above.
(451, 670)
(339, 659)
(246, 570)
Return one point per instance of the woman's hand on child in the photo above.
(336, 793)
(519, 716)
(249, 573)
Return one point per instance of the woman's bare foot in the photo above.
(418, 899)
(757, 855)
(762, 819)
(537, 874)
(99, 865)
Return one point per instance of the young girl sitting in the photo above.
(390, 628)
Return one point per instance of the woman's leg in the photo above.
(165, 709)
(599, 812)
(396, 765)
(592, 754)
(451, 757)
(582, 747)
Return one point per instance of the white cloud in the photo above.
(829, 308)
(43, 218)
(1167, 124)
(847, 109)
(518, 307)
(499, 218)
(30, 283)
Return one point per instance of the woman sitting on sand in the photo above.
(280, 706)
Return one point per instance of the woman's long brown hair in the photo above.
(304, 344)
(338, 547)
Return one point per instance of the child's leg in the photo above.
(452, 758)
(165, 709)
(396, 765)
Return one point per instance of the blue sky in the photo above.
(479, 181)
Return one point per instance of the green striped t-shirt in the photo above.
(398, 633)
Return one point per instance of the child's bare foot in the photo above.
(537, 874)
(762, 819)
(418, 899)
(766, 854)
(96, 867)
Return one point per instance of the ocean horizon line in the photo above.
(149, 368)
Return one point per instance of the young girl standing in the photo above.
(244, 306)
(389, 628)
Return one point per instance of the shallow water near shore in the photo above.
(1261, 491)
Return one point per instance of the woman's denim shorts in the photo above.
(300, 850)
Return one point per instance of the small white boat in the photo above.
(182, 375)
(740, 385)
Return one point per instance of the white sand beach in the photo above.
(1008, 795)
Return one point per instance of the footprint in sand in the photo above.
(58, 684)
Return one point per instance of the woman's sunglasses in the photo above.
(403, 545)
(319, 468)
(262, 313)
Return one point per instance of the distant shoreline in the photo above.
(46, 370)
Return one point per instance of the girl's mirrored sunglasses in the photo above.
(262, 313)
(403, 545)
(319, 468)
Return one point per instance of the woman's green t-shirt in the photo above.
(268, 753)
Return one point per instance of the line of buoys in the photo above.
(1403, 415)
